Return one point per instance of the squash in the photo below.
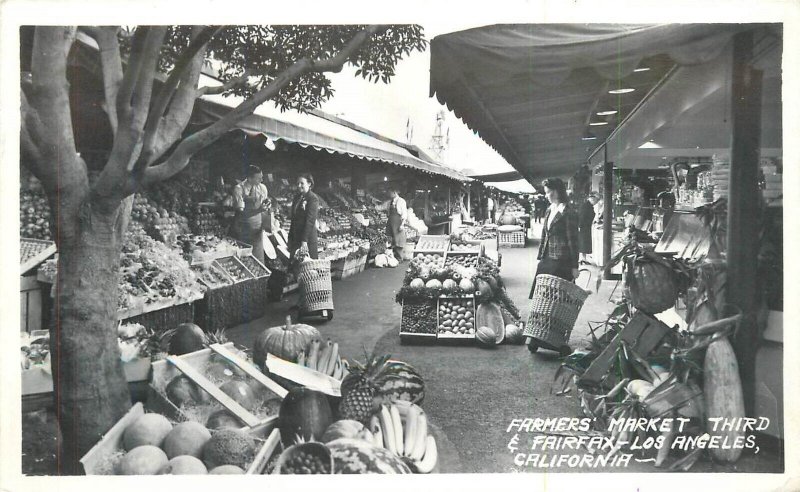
(489, 315)
(514, 334)
(485, 336)
(651, 286)
(304, 413)
(188, 337)
(285, 342)
(722, 391)
(483, 290)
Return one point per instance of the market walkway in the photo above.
(472, 394)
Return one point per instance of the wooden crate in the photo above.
(642, 334)
(31, 313)
(514, 239)
(189, 365)
(445, 337)
(413, 337)
(111, 443)
(232, 305)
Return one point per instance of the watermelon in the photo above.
(402, 382)
(485, 336)
(188, 337)
(484, 290)
(358, 456)
(490, 315)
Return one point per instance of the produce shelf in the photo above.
(33, 252)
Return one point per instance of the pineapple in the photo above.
(359, 399)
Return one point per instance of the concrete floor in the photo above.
(472, 394)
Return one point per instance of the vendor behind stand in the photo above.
(305, 209)
(250, 201)
(398, 214)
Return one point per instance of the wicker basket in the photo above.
(514, 239)
(554, 309)
(316, 291)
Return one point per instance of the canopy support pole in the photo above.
(744, 209)
(608, 210)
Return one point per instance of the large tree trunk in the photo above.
(91, 391)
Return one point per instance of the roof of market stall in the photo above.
(533, 91)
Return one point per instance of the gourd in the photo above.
(651, 286)
(285, 341)
(485, 336)
(722, 390)
(304, 413)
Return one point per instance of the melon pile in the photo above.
(154, 446)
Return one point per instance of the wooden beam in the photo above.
(744, 209)
(608, 210)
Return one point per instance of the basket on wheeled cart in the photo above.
(554, 309)
(315, 288)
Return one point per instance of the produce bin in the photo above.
(432, 244)
(98, 460)
(443, 334)
(514, 239)
(233, 304)
(191, 365)
(418, 322)
(467, 259)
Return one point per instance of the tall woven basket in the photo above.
(554, 309)
(315, 287)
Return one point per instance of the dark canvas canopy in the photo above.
(531, 91)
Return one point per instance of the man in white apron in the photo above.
(397, 215)
(250, 200)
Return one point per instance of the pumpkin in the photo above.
(417, 283)
(358, 456)
(403, 382)
(304, 413)
(449, 285)
(433, 284)
(651, 286)
(188, 337)
(485, 336)
(722, 391)
(283, 341)
(352, 429)
(466, 285)
(514, 334)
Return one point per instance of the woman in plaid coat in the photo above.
(558, 251)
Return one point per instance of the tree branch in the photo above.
(111, 63)
(140, 102)
(219, 89)
(131, 75)
(194, 143)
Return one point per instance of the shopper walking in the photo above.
(305, 209)
(398, 215)
(540, 207)
(250, 201)
(585, 221)
(558, 251)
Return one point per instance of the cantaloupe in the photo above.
(184, 465)
(142, 460)
(226, 470)
(149, 429)
(187, 438)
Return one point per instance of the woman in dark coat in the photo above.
(558, 251)
(305, 209)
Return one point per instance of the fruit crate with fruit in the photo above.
(107, 456)
(429, 260)
(211, 275)
(234, 268)
(433, 244)
(34, 251)
(465, 259)
(258, 269)
(215, 384)
(418, 321)
(455, 318)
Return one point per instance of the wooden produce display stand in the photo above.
(424, 310)
(446, 337)
(240, 301)
(111, 443)
(190, 366)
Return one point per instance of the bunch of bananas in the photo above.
(324, 357)
(402, 428)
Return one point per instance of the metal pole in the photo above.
(744, 209)
(608, 210)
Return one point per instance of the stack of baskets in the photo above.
(315, 287)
